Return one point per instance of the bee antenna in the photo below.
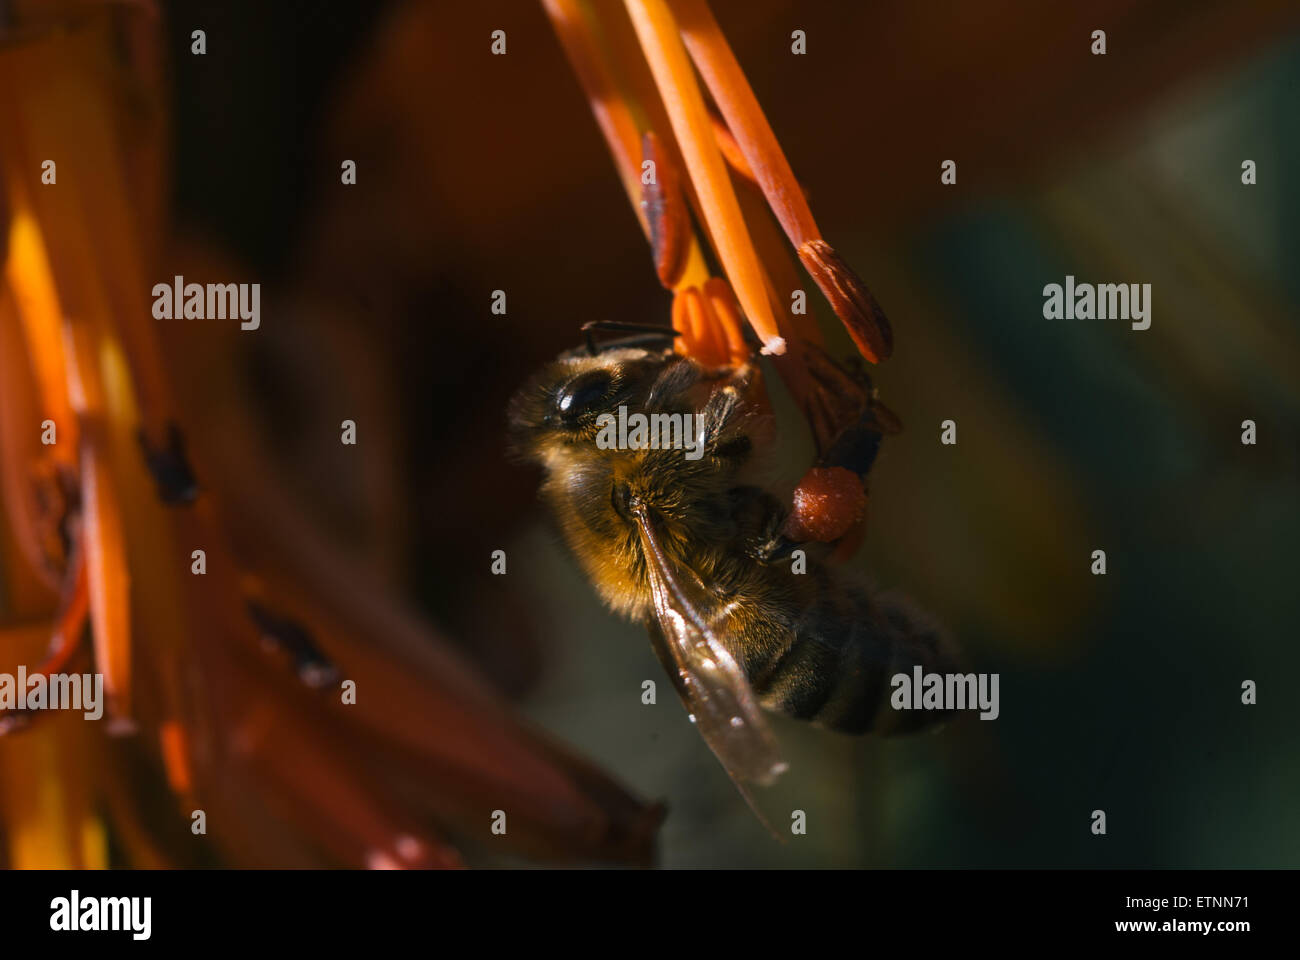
(649, 331)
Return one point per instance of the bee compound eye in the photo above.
(583, 392)
(621, 499)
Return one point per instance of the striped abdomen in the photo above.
(829, 656)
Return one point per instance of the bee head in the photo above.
(559, 406)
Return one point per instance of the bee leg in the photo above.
(855, 448)
(780, 546)
(721, 412)
(849, 423)
(843, 399)
(777, 547)
(676, 379)
(761, 519)
(646, 334)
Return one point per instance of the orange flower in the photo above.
(359, 738)
(636, 71)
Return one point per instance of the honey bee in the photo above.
(695, 552)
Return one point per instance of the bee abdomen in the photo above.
(845, 649)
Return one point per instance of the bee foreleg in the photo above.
(726, 410)
(669, 386)
(761, 517)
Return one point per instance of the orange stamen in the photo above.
(657, 32)
(176, 756)
(664, 208)
(615, 114)
(684, 344)
(853, 302)
(103, 537)
(731, 151)
(707, 344)
(745, 119)
(608, 105)
(28, 274)
(849, 296)
(723, 306)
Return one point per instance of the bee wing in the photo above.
(711, 683)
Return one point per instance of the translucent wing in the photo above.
(711, 683)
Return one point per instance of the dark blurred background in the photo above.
(477, 172)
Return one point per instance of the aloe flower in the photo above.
(229, 736)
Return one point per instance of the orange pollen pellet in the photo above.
(827, 503)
